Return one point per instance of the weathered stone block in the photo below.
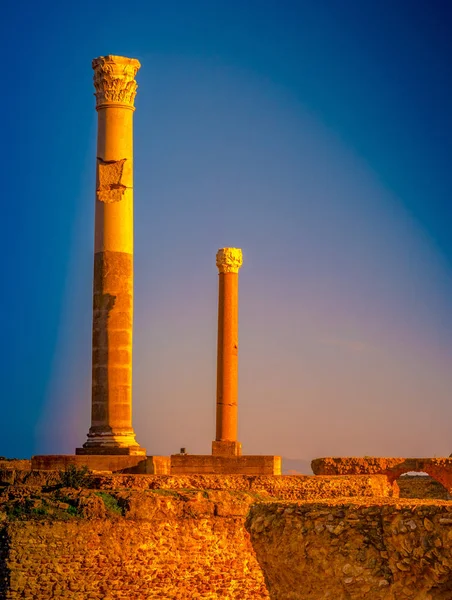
(223, 448)
(118, 459)
(245, 464)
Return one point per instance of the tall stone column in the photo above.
(229, 261)
(111, 429)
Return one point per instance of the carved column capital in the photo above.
(114, 80)
(229, 260)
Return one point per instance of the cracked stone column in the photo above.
(111, 429)
(229, 261)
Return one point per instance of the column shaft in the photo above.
(111, 415)
(229, 261)
(113, 278)
(227, 357)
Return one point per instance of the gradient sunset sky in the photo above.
(316, 136)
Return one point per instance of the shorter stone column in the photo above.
(229, 261)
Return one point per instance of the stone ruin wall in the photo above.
(231, 538)
(19, 471)
(168, 537)
(290, 487)
(403, 485)
(439, 469)
(168, 555)
(390, 550)
(230, 545)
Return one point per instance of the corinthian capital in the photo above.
(229, 260)
(114, 80)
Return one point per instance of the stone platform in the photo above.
(114, 463)
(177, 464)
(184, 464)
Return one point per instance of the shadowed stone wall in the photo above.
(4, 556)
(416, 486)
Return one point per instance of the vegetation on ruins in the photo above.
(111, 503)
(75, 477)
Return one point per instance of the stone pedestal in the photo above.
(111, 430)
(225, 448)
(113, 463)
(228, 261)
(198, 464)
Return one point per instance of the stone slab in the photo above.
(153, 465)
(183, 464)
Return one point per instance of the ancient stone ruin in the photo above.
(111, 443)
(109, 522)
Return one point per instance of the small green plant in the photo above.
(110, 502)
(40, 511)
(16, 511)
(75, 477)
(71, 510)
(26, 510)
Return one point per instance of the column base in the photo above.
(225, 448)
(111, 442)
(110, 451)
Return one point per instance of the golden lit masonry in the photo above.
(111, 429)
(229, 261)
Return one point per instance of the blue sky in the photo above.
(314, 135)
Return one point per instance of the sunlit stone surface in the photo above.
(111, 428)
(229, 261)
